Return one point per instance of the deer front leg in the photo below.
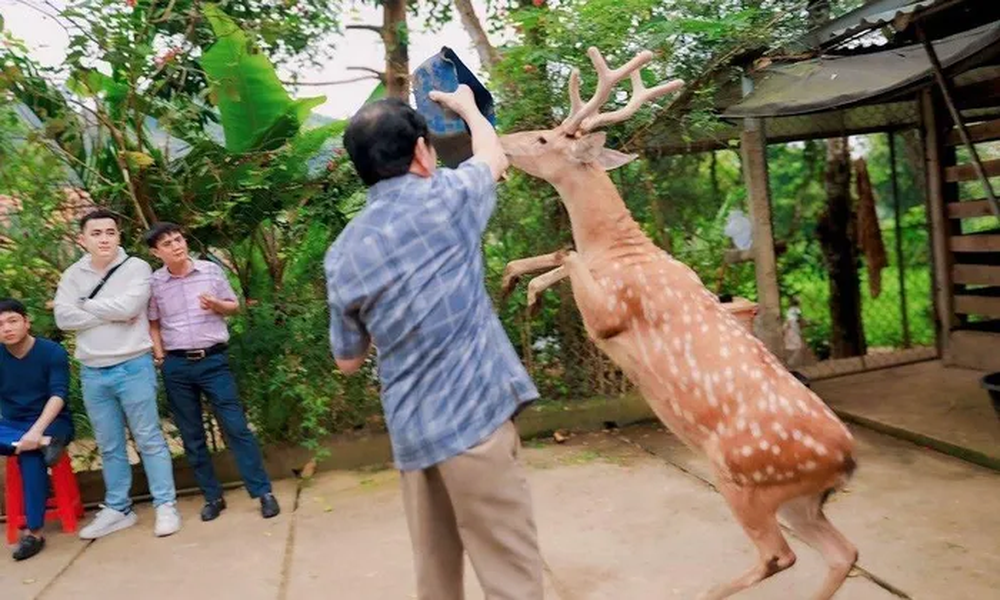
(604, 314)
(541, 283)
(515, 269)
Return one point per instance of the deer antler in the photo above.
(587, 117)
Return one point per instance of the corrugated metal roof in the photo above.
(880, 19)
(828, 83)
(871, 16)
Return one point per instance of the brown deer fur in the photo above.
(773, 444)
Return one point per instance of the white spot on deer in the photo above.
(776, 450)
(770, 469)
(741, 425)
(704, 429)
(725, 409)
(758, 476)
(617, 266)
(677, 344)
(796, 435)
(808, 441)
(724, 352)
(820, 449)
(789, 475)
(747, 451)
(764, 445)
(809, 465)
(755, 429)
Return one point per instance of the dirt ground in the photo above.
(624, 514)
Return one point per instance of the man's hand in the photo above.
(462, 101)
(209, 302)
(158, 358)
(29, 441)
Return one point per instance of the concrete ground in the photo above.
(621, 515)
(926, 401)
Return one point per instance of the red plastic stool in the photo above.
(65, 504)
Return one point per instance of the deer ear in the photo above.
(612, 159)
(588, 148)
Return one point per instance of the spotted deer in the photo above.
(774, 446)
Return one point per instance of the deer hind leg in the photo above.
(761, 525)
(541, 283)
(805, 517)
(603, 314)
(516, 269)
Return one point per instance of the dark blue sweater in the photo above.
(26, 384)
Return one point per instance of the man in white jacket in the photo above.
(103, 298)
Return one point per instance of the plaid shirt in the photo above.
(407, 273)
(174, 302)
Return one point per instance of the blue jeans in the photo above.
(185, 381)
(122, 393)
(34, 473)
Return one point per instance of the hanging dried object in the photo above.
(869, 234)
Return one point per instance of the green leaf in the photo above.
(377, 94)
(257, 112)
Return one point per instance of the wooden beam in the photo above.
(969, 209)
(974, 350)
(968, 172)
(984, 306)
(980, 132)
(976, 274)
(975, 243)
(754, 158)
(939, 224)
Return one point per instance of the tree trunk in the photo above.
(837, 236)
(395, 36)
(488, 55)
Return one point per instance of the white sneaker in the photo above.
(168, 520)
(107, 522)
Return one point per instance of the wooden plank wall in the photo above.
(967, 277)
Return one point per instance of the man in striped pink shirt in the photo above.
(187, 312)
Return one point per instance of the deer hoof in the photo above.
(534, 303)
(507, 285)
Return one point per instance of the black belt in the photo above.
(200, 353)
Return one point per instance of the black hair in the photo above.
(100, 213)
(157, 231)
(14, 306)
(381, 139)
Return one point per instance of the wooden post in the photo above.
(938, 219)
(900, 264)
(753, 148)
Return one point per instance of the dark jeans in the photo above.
(185, 381)
(34, 473)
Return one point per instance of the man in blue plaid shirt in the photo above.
(406, 276)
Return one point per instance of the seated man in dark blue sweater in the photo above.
(35, 422)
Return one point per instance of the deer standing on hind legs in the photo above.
(773, 444)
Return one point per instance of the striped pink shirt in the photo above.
(174, 302)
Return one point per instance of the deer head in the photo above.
(575, 145)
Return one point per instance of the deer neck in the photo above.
(599, 217)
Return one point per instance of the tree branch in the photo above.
(373, 28)
(338, 82)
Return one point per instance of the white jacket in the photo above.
(112, 327)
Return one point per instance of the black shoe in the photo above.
(28, 547)
(269, 506)
(53, 451)
(213, 509)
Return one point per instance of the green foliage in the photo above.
(257, 112)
